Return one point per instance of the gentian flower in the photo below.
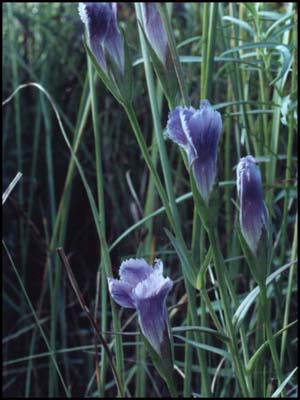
(145, 289)
(101, 22)
(253, 213)
(198, 132)
(154, 30)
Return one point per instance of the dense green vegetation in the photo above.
(101, 203)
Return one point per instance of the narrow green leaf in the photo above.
(284, 383)
(203, 329)
(256, 356)
(243, 308)
(272, 28)
(186, 265)
(206, 347)
(240, 23)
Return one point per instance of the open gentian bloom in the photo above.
(145, 289)
(198, 132)
(253, 213)
(101, 22)
(154, 30)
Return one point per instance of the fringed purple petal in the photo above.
(150, 298)
(198, 132)
(154, 30)
(253, 214)
(97, 17)
(204, 173)
(133, 271)
(121, 292)
(98, 53)
(205, 129)
(178, 130)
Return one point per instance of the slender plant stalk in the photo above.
(220, 269)
(203, 365)
(60, 218)
(147, 248)
(259, 375)
(268, 328)
(12, 35)
(209, 43)
(289, 293)
(52, 355)
(103, 244)
(204, 38)
(289, 152)
(84, 307)
(104, 325)
(156, 121)
(188, 360)
(275, 127)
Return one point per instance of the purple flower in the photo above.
(101, 22)
(253, 213)
(154, 30)
(198, 132)
(145, 289)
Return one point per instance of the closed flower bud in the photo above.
(103, 32)
(253, 213)
(154, 30)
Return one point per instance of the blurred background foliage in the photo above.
(42, 42)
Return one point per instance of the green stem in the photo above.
(188, 359)
(220, 269)
(268, 328)
(171, 386)
(209, 43)
(143, 147)
(156, 120)
(260, 370)
(289, 292)
(196, 238)
(102, 235)
(289, 153)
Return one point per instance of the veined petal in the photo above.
(133, 271)
(204, 172)
(178, 130)
(150, 299)
(121, 292)
(101, 22)
(205, 129)
(97, 18)
(154, 30)
(253, 214)
(198, 132)
(113, 41)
